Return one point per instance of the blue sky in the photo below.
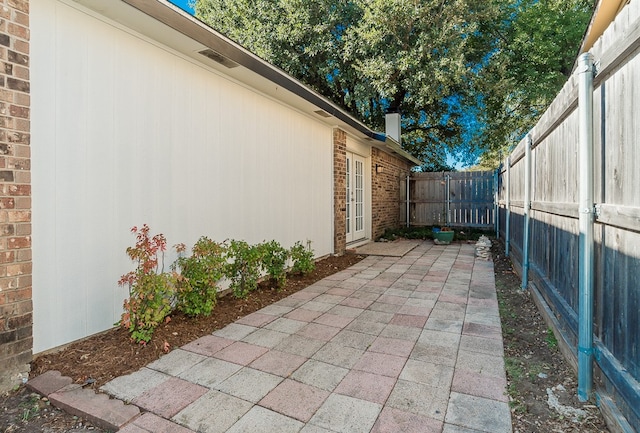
(184, 4)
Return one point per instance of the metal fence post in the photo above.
(448, 198)
(586, 221)
(527, 212)
(408, 201)
(496, 206)
(507, 222)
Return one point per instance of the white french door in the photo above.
(355, 198)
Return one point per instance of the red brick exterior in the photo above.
(339, 191)
(16, 309)
(385, 191)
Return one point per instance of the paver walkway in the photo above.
(393, 344)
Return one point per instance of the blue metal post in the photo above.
(527, 212)
(496, 206)
(507, 223)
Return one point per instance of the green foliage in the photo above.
(503, 61)
(243, 267)
(534, 49)
(274, 260)
(426, 232)
(199, 276)
(150, 289)
(372, 55)
(407, 233)
(551, 339)
(30, 408)
(302, 258)
(515, 374)
(192, 285)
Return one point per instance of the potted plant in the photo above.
(443, 236)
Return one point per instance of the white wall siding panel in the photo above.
(125, 132)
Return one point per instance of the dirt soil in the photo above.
(532, 358)
(536, 370)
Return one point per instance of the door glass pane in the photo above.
(359, 195)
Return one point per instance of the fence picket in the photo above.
(471, 199)
(554, 211)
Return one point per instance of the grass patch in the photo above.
(537, 368)
(551, 339)
(514, 375)
(30, 407)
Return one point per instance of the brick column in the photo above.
(16, 308)
(339, 191)
(385, 191)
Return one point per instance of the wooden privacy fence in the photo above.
(540, 187)
(461, 199)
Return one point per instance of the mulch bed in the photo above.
(98, 359)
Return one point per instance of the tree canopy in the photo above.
(432, 60)
(533, 57)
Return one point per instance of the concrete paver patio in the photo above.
(392, 344)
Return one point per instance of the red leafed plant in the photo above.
(151, 290)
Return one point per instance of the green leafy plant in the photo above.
(30, 408)
(199, 275)
(302, 258)
(551, 339)
(151, 290)
(243, 267)
(274, 260)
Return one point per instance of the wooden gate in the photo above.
(462, 199)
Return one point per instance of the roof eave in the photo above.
(393, 146)
(603, 15)
(179, 20)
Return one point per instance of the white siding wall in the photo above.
(124, 133)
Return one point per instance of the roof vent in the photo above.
(322, 113)
(218, 58)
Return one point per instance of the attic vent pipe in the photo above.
(218, 58)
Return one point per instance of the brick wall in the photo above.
(385, 191)
(15, 195)
(339, 191)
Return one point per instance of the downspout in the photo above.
(586, 220)
(507, 223)
(527, 212)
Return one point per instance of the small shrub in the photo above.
(151, 290)
(199, 276)
(243, 267)
(274, 260)
(302, 258)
